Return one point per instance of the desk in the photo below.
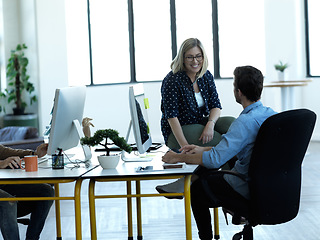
(287, 91)
(127, 172)
(48, 175)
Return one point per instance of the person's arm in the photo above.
(193, 149)
(172, 157)
(6, 152)
(177, 131)
(208, 131)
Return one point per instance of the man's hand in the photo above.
(192, 149)
(171, 157)
(41, 150)
(12, 162)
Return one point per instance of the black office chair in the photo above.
(274, 172)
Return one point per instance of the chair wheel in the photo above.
(237, 236)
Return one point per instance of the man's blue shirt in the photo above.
(239, 141)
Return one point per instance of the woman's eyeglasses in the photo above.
(191, 58)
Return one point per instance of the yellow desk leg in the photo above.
(216, 223)
(187, 205)
(129, 209)
(92, 210)
(58, 216)
(139, 219)
(77, 207)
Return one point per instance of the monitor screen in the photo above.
(67, 114)
(139, 106)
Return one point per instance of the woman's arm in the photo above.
(208, 131)
(177, 131)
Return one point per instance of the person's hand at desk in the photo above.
(41, 150)
(194, 149)
(10, 162)
(196, 158)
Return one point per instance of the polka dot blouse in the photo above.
(178, 100)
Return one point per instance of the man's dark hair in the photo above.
(250, 82)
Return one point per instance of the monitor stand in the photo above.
(141, 158)
(86, 149)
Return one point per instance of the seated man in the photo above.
(9, 211)
(238, 141)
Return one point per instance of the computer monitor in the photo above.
(67, 114)
(139, 106)
(139, 122)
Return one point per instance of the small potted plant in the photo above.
(101, 137)
(281, 67)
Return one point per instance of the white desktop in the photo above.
(139, 124)
(67, 113)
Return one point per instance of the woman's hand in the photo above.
(208, 132)
(12, 162)
(41, 150)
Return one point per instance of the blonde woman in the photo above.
(190, 104)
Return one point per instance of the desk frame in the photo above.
(138, 195)
(57, 198)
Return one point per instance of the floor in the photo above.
(164, 219)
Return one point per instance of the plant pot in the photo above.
(109, 162)
(281, 76)
(27, 119)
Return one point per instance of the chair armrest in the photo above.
(223, 172)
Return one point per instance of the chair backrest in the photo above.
(275, 167)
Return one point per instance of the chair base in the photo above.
(247, 233)
(24, 221)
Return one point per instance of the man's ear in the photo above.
(239, 92)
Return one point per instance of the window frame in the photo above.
(174, 47)
(307, 38)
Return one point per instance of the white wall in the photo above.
(108, 105)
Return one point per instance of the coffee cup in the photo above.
(30, 163)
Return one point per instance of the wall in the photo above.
(108, 105)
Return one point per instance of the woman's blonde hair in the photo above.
(177, 64)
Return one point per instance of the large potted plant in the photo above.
(19, 85)
(101, 138)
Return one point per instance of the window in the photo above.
(77, 43)
(109, 41)
(241, 35)
(112, 42)
(152, 38)
(313, 37)
(195, 21)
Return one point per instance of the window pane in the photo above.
(110, 41)
(194, 20)
(152, 38)
(77, 43)
(241, 35)
(314, 36)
